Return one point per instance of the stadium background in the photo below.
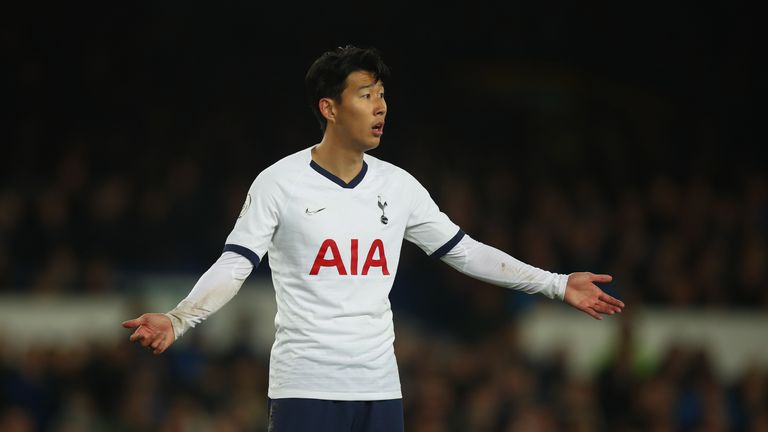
(615, 139)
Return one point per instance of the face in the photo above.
(359, 119)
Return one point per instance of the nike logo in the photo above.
(309, 212)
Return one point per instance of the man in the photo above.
(332, 219)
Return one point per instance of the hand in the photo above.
(582, 293)
(153, 330)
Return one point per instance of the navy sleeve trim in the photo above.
(244, 251)
(444, 249)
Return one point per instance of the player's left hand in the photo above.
(582, 293)
(153, 330)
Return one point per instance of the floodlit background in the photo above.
(619, 139)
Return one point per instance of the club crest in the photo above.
(382, 206)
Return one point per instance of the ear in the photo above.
(328, 109)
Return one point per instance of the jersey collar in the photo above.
(327, 174)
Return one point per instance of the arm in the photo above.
(213, 290)
(491, 265)
(245, 246)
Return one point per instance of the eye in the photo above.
(366, 96)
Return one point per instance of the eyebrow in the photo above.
(370, 85)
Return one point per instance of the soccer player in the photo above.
(332, 219)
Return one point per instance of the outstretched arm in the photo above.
(491, 265)
(215, 288)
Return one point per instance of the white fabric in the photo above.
(491, 265)
(213, 290)
(333, 262)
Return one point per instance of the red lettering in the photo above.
(353, 265)
(376, 258)
(320, 261)
(377, 245)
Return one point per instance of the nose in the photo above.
(381, 108)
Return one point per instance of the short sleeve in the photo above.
(428, 227)
(258, 220)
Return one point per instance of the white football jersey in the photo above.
(333, 251)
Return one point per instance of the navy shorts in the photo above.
(315, 415)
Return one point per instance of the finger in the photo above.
(603, 278)
(131, 323)
(162, 346)
(157, 342)
(591, 312)
(161, 349)
(611, 300)
(137, 336)
(605, 308)
(614, 309)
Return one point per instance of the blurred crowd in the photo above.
(129, 151)
(133, 138)
(84, 223)
(449, 385)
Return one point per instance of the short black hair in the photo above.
(327, 76)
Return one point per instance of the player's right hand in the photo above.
(153, 330)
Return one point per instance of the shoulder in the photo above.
(282, 171)
(286, 168)
(398, 177)
(388, 169)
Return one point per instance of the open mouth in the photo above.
(378, 129)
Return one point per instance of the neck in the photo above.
(340, 160)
